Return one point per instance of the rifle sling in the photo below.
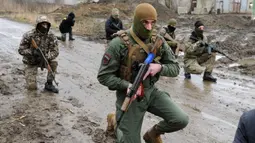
(140, 42)
(157, 44)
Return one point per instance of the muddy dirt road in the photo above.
(78, 113)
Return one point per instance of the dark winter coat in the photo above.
(67, 23)
(245, 132)
(112, 26)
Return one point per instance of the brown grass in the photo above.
(89, 27)
(10, 6)
(29, 18)
(27, 11)
(90, 18)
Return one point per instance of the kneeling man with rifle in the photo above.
(131, 65)
(39, 48)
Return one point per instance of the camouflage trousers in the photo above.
(31, 73)
(203, 63)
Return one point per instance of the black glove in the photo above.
(37, 53)
(202, 43)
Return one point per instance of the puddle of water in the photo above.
(234, 65)
(211, 117)
(181, 54)
(219, 57)
(247, 61)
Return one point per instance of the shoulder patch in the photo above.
(106, 59)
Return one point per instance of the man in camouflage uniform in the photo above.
(32, 57)
(119, 67)
(169, 35)
(196, 56)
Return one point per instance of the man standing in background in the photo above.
(113, 25)
(66, 27)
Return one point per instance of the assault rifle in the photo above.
(213, 48)
(115, 34)
(138, 79)
(115, 26)
(46, 61)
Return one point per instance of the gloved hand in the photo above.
(116, 34)
(202, 43)
(37, 53)
(152, 70)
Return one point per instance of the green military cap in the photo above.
(172, 22)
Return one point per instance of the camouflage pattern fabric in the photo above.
(197, 66)
(31, 73)
(196, 60)
(47, 42)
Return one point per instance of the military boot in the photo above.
(152, 135)
(187, 76)
(71, 36)
(71, 39)
(208, 77)
(50, 87)
(111, 122)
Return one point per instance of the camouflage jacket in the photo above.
(192, 47)
(109, 72)
(48, 44)
(168, 36)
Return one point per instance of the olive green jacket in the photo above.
(108, 74)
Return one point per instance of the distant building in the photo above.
(214, 6)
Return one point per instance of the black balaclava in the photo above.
(198, 31)
(71, 15)
(171, 28)
(42, 29)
